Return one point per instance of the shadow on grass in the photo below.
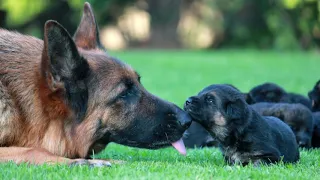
(205, 156)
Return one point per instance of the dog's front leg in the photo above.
(39, 156)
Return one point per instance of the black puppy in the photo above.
(244, 135)
(314, 96)
(271, 92)
(297, 116)
(197, 137)
(316, 131)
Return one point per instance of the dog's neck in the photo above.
(46, 123)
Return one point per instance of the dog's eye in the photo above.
(127, 93)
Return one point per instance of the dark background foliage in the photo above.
(262, 24)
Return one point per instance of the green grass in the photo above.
(175, 76)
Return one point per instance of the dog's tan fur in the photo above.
(36, 124)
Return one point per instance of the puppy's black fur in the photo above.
(316, 131)
(297, 116)
(197, 137)
(271, 92)
(314, 96)
(243, 134)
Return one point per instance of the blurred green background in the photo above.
(205, 24)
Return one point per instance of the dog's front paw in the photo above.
(90, 163)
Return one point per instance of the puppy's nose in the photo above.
(190, 100)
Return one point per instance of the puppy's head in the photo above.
(220, 109)
(314, 96)
(267, 92)
(302, 124)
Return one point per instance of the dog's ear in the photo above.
(235, 109)
(63, 67)
(61, 61)
(87, 34)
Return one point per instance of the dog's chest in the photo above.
(9, 127)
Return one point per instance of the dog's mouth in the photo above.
(160, 137)
(178, 145)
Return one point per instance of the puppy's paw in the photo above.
(90, 163)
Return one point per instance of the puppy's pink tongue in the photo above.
(179, 145)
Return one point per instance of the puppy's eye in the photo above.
(209, 99)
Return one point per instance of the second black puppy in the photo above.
(314, 96)
(244, 135)
(271, 92)
(297, 116)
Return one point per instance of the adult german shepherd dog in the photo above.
(63, 98)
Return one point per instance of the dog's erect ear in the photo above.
(87, 34)
(63, 68)
(61, 61)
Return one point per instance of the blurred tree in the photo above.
(2, 18)
(108, 11)
(68, 13)
(165, 16)
(244, 23)
(280, 24)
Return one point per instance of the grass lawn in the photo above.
(175, 76)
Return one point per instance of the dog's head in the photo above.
(220, 109)
(267, 92)
(103, 97)
(314, 96)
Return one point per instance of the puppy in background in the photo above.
(244, 135)
(297, 116)
(198, 137)
(316, 131)
(271, 92)
(314, 96)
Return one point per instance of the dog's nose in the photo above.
(182, 117)
(185, 120)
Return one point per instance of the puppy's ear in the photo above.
(235, 109)
(248, 98)
(87, 34)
